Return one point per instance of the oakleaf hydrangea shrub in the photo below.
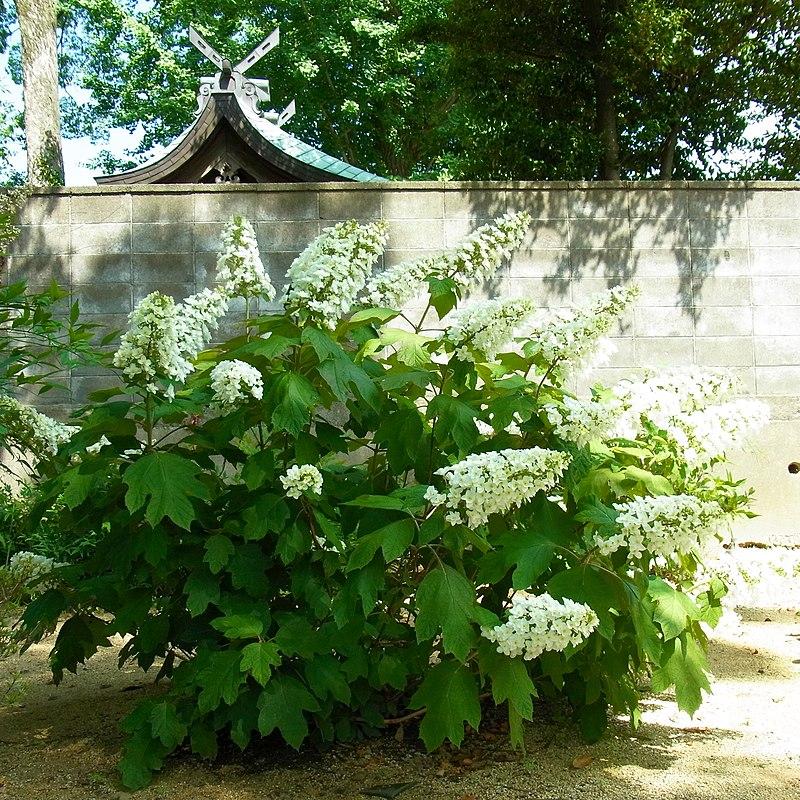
(347, 516)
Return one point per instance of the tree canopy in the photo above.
(476, 89)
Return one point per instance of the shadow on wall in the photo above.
(584, 239)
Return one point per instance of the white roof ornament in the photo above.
(230, 79)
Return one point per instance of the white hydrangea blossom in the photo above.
(164, 337)
(299, 479)
(493, 483)
(30, 429)
(679, 402)
(233, 381)
(574, 335)
(98, 445)
(326, 277)
(150, 348)
(513, 427)
(239, 267)
(29, 566)
(538, 623)
(486, 327)
(471, 263)
(198, 318)
(583, 421)
(664, 526)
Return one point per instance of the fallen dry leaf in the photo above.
(581, 762)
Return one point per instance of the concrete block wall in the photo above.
(718, 265)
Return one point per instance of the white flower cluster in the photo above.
(573, 335)
(326, 277)
(486, 327)
(583, 421)
(537, 623)
(233, 381)
(471, 263)
(239, 267)
(493, 483)
(664, 526)
(513, 428)
(30, 429)
(163, 337)
(30, 566)
(680, 402)
(299, 479)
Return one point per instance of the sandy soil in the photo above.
(744, 744)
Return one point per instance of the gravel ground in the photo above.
(744, 744)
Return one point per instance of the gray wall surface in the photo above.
(718, 265)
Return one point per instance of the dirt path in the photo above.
(744, 744)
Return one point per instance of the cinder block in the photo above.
(393, 257)
(723, 321)
(659, 233)
(43, 240)
(96, 209)
(722, 291)
(48, 209)
(224, 206)
(719, 232)
(777, 380)
(83, 386)
(102, 239)
(423, 234)
(599, 203)
(546, 234)
(727, 203)
(474, 203)
(162, 207)
(658, 203)
(724, 351)
(156, 237)
(101, 268)
(596, 263)
(296, 205)
(664, 352)
(662, 321)
(783, 290)
(606, 376)
(623, 353)
(339, 205)
(39, 269)
(670, 263)
(106, 324)
(599, 234)
(540, 204)
(775, 261)
(775, 203)
(410, 204)
(286, 235)
(774, 232)
(103, 298)
(208, 237)
(776, 320)
(163, 267)
(778, 351)
(178, 291)
(720, 261)
(545, 292)
(553, 263)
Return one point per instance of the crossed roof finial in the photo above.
(231, 79)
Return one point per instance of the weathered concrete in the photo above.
(718, 263)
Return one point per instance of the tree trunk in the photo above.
(667, 155)
(37, 25)
(605, 105)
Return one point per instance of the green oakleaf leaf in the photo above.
(449, 694)
(446, 600)
(167, 726)
(220, 678)
(169, 481)
(258, 659)
(684, 666)
(239, 626)
(454, 419)
(295, 398)
(219, 549)
(281, 705)
(392, 539)
(201, 588)
(674, 611)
